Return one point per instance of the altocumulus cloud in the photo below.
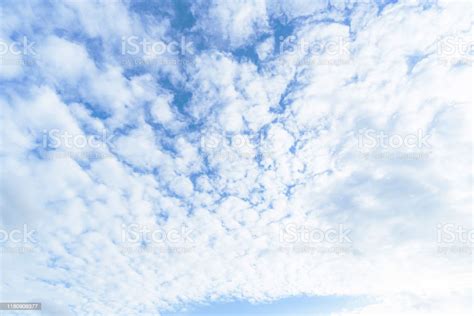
(156, 154)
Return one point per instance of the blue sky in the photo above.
(289, 306)
(248, 157)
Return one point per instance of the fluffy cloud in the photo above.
(199, 171)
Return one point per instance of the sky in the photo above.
(245, 157)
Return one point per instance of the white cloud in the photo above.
(161, 110)
(265, 48)
(67, 60)
(298, 114)
(236, 23)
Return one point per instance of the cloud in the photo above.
(161, 110)
(233, 23)
(211, 161)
